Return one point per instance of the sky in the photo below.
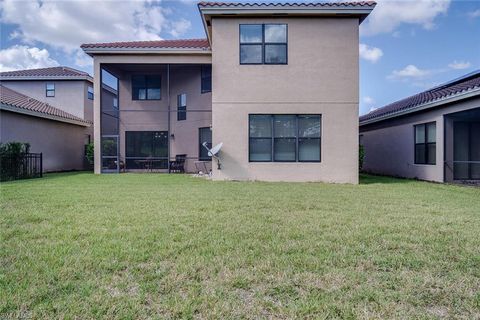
(405, 46)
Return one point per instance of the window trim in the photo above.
(51, 90)
(297, 138)
(426, 144)
(146, 87)
(263, 43)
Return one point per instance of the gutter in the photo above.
(424, 106)
(7, 107)
(106, 50)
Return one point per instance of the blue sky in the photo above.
(406, 46)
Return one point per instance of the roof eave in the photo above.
(39, 78)
(6, 107)
(106, 50)
(360, 12)
(428, 105)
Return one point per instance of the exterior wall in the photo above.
(389, 145)
(321, 78)
(70, 95)
(185, 139)
(62, 144)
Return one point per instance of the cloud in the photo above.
(368, 100)
(180, 27)
(390, 14)
(65, 25)
(24, 57)
(474, 14)
(371, 54)
(372, 109)
(459, 65)
(409, 72)
(82, 59)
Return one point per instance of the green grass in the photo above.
(125, 246)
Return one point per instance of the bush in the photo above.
(14, 148)
(361, 157)
(89, 153)
(14, 163)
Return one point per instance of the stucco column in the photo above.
(97, 166)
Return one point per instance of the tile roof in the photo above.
(285, 4)
(45, 72)
(157, 44)
(464, 84)
(21, 102)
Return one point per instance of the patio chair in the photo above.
(178, 165)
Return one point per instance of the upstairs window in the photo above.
(206, 78)
(181, 107)
(425, 143)
(50, 90)
(146, 87)
(90, 93)
(263, 44)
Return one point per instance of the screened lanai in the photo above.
(462, 152)
(155, 117)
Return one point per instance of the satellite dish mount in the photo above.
(214, 152)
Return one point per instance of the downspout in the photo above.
(168, 113)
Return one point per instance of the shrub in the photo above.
(89, 153)
(13, 164)
(361, 157)
(14, 148)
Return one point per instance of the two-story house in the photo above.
(277, 84)
(52, 110)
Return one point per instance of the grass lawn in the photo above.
(171, 246)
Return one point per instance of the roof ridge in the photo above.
(45, 68)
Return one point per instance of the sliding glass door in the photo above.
(466, 140)
(146, 150)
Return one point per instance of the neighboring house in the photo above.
(433, 135)
(276, 83)
(66, 88)
(58, 135)
(57, 89)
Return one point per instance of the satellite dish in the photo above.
(214, 151)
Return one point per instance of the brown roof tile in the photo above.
(46, 72)
(285, 4)
(167, 44)
(466, 83)
(22, 102)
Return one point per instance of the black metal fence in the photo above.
(22, 166)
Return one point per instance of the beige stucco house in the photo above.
(277, 84)
(433, 135)
(52, 110)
